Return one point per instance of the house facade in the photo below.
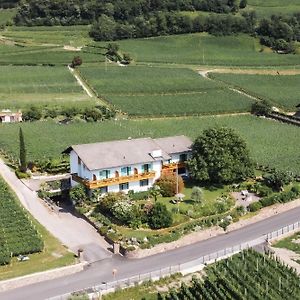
(7, 116)
(133, 164)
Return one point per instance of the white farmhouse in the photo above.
(132, 164)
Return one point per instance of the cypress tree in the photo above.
(23, 164)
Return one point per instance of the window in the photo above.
(103, 190)
(126, 171)
(104, 174)
(124, 186)
(144, 182)
(183, 157)
(146, 168)
(78, 160)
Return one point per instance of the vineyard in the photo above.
(162, 91)
(247, 275)
(21, 84)
(270, 143)
(17, 234)
(203, 49)
(281, 90)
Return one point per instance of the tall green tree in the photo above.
(23, 163)
(220, 156)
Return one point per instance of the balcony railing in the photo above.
(173, 166)
(94, 184)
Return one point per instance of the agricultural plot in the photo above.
(152, 91)
(43, 55)
(204, 49)
(75, 36)
(17, 234)
(6, 15)
(281, 90)
(247, 275)
(22, 85)
(266, 8)
(271, 143)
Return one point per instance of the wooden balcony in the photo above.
(90, 184)
(173, 166)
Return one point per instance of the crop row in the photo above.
(151, 91)
(247, 275)
(281, 90)
(17, 233)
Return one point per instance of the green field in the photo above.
(59, 35)
(282, 90)
(22, 85)
(271, 143)
(43, 55)
(17, 234)
(6, 15)
(162, 91)
(266, 8)
(204, 49)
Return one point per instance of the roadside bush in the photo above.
(21, 175)
(159, 217)
(264, 191)
(255, 206)
(168, 185)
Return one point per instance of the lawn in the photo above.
(271, 143)
(140, 90)
(288, 243)
(204, 49)
(20, 85)
(281, 90)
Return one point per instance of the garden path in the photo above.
(73, 231)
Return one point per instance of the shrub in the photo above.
(76, 61)
(109, 200)
(255, 206)
(21, 175)
(32, 114)
(139, 196)
(78, 194)
(197, 194)
(168, 185)
(264, 191)
(122, 210)
(159, 216)
(277, 179)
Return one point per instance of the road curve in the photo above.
(101, 271)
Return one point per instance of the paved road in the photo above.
(72, 231)
(101, 271)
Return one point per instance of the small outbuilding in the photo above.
(7, 116)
